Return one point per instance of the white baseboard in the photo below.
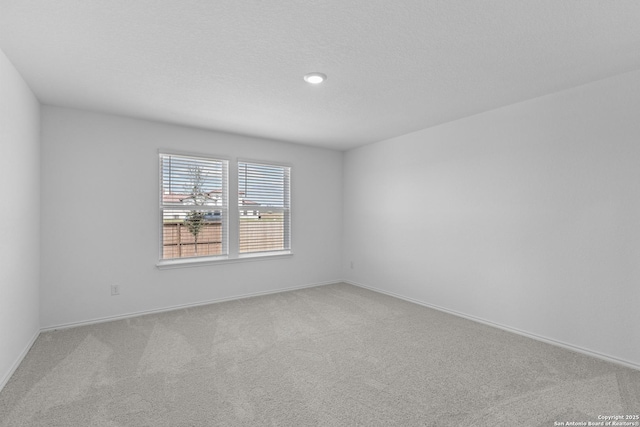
(180, 306)
(551, 341)
(18, 361)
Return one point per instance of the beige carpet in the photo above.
(334, 355)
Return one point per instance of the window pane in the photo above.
(192, 233)
(193, 202)
(263, 185)
(192, 181)
(264, 205)
(262, 231)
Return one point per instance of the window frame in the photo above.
(224, 208)
(233, 254)
(288, 230)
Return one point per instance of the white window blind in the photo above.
(264, 203)
(194, 206)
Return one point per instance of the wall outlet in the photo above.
(352, 265)
(115, 290)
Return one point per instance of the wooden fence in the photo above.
(261, 234)
(178, 242)
(255, 235)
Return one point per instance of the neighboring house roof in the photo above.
(177, 198)
(172, 198)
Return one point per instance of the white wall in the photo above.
(20, 223)
(527, 216)
(100, 169)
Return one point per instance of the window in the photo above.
(199, 220)
(194, 207)
(264, 206)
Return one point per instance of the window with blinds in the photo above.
(264, 204)
(193, 206)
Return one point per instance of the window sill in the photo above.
(202, 261)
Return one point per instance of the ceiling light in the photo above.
(315, 78)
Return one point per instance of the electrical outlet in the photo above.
(115, 290)
(352, 265)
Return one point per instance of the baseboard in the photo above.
(551, 341)
(179, 307)
(18, 361)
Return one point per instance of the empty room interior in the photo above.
(320, 213)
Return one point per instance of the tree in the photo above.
(197, 196)
(194, 223)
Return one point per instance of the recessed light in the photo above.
(315, 78)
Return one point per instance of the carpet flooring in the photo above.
(334, 355)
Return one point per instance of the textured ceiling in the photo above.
(237, 65)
